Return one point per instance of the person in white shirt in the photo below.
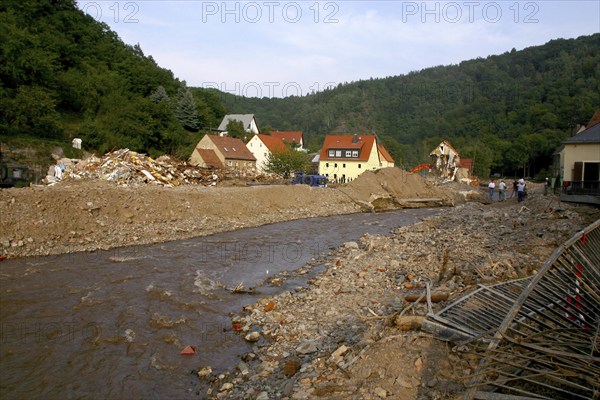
(502, 190)
(491, 187)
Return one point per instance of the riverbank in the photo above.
(341, 337)
(93, 214)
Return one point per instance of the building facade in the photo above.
(345, 157)
(222, 152)
(262, 146)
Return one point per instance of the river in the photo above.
(111, 324)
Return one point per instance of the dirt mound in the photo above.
(93, 212)
(390, 188)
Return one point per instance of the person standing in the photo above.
(491, 187)
(520, 190)
(502, 190)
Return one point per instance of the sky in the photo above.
(276, 48)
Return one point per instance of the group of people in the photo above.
(518, 188)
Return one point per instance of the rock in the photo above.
(226, 386)
(380, 392)
(243, 368)
(433, 382)
(307, 347)
(288, 387)
(291, 366)
(338, 355)
(403, 382)
(351, 245)
(252, 337)
(340, 351)
(409, 322)
(205, 372)
(301, 395)
(262, 396)
(419, 364)
(270, 306)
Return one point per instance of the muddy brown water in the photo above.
(111, 324)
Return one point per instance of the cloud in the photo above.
(240, 44)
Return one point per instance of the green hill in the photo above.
(65, 75)
(508, 112)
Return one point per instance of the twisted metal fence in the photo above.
(539, 337)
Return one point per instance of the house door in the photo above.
(591, 175)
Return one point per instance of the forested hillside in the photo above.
(65, 75)
(508, 112)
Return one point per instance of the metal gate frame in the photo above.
(538, 337)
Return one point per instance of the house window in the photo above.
(359, 166)
(343, 165)
(326, 165)
(229, 163)
(338, 153)
(331, 153)
(335, 165)
(348, 153)
(233, 148)
(265, 154)
(355, 153)
(225, 148)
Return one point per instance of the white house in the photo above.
(248, 121)
(579, 159)
(261, 146)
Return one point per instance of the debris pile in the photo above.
(355, 331)
(129, 167)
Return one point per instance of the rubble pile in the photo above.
(353, 333)
(129, 167)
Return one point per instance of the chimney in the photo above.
(355, 139)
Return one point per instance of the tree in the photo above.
(236, 129)
(286, 161)
(267, 129)
(159, 95)
(186, 110)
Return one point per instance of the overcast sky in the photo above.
(279, 48)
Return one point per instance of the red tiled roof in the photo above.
(383, 151)
(289, 136)
(232, 148)
(274, 144)
(364, 144)
(210, 158)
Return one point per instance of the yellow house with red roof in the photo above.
(261, 146)
(345, 157)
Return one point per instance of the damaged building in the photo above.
(448, 165)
